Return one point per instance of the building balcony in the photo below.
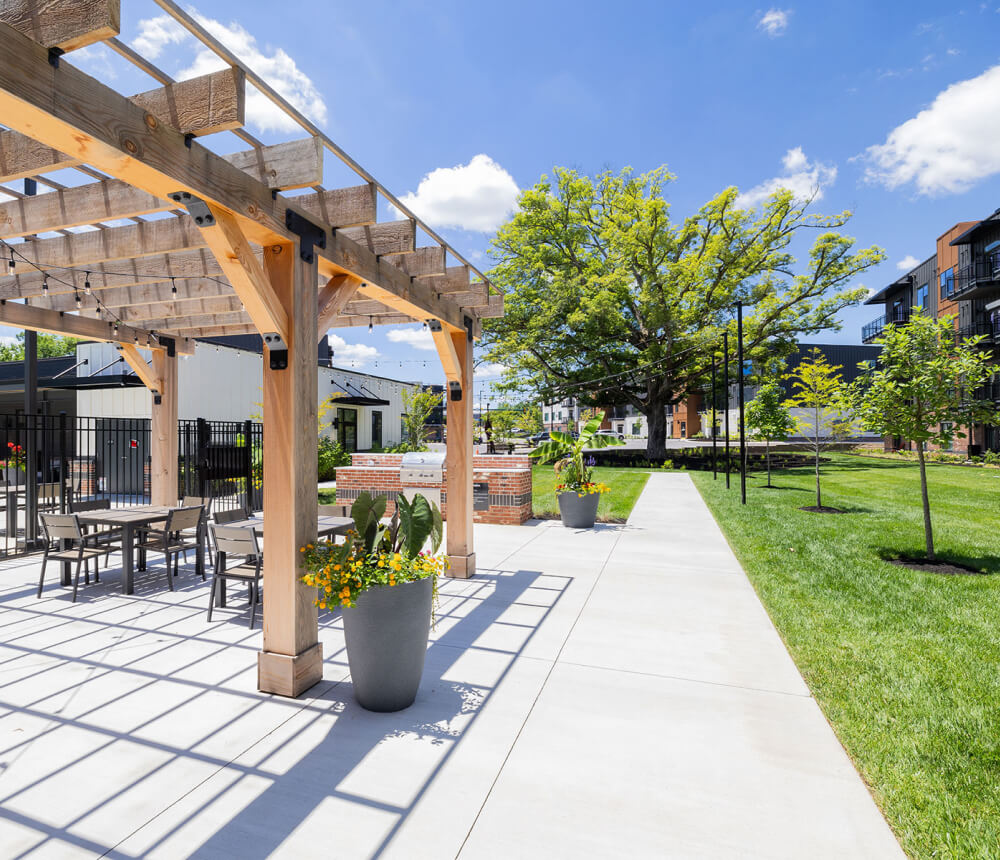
(979, 279)
(988, 331)
(870, 331)
(990, 391)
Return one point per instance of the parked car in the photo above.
(538, 438)
(610, 433)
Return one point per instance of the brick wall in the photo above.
(508, 479)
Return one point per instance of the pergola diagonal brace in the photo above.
(141, 368)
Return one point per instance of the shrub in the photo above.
(330, 455)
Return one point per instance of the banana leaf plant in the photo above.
(567, 454)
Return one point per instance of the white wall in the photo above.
(219, 383)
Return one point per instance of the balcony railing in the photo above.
(872, 330)
(982, 272)
(983, 328)
(990, 391)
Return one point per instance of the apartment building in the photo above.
(962, 278)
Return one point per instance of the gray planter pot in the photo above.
(578, 512)
(386, 634)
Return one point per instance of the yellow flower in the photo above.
(336, 567)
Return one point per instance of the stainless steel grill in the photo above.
(426, 470)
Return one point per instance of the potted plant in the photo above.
(13, 466)
(576, 491)
(384, 582)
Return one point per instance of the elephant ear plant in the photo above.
(376, 554)
(567, 453)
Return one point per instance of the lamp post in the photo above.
(715, 471)
(739, 371)
(725, 387)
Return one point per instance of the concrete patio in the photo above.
(614, 693)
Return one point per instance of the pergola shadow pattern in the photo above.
(127, 728)
(184, 241)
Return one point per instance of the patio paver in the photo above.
(619, 692)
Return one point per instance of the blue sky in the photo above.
(890, 108)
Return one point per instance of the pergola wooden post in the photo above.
(230, 255)
(163, 431)
(291, 659)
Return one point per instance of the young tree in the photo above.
(819, 396)
(417, 408)
(605, 290)
(924, 390)
(768, 418)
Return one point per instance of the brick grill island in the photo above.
(501, 485)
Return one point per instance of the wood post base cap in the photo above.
(288, 675)
(461, 566)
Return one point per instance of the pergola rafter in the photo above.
(217, 248)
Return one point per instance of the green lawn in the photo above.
(905, 665)
(626, 484)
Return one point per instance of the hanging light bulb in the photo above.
(371, 325)
(173, 287)
(45, 286)
(135, 337)
(10, 265)
(425, 325)
(116, 328)
(79, 302)
(86, 283)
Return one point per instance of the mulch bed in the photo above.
(945, 568)
(822, 509)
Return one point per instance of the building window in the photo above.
(947, 283)
(347, 429)
(376, 429)
(683, 429)
(923, 292)
(945, 427)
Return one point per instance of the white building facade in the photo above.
(224, 383)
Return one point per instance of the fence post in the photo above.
(204, 438)
(248, 462)
(63, 464)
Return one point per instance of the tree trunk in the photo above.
(819, 498)
(928, 534)
(767, 455)
(656, 420)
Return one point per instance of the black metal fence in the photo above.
(50, 461)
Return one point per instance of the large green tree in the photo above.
(611, 300)
(49, 346)
(925, 390)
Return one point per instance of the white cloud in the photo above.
(477, 196)
(774, 22)
(908, 262)
(276, 67)
(418, 338)
(804, 178)
(351, 354)
(490, 371)
(949, 146)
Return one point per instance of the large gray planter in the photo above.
(386, 634)
(579, 512)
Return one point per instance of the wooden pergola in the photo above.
(226, 251)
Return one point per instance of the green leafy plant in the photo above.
(568, 455)
(330, 454)
(923, 390)
(417, 408)
(376, 554)
(768, 418)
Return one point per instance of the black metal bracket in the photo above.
(54, 55)
(196, 207)
(455, 390)
(310, 235)
(277, 351)
(169, 344)
(469, 326)
(157, 398)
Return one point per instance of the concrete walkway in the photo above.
(610, 693)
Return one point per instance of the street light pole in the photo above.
(725, 386)
(715, 470)
(743, 442)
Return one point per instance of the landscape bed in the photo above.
(615, 507)
(902, 662)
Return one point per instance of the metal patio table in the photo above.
(128, 519)
(325, 527)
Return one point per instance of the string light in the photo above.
(45, 286)
(10, 265)
(79, 302)
(86, 284)
(173, 286)
(371, 325)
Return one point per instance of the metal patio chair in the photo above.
(100, 535)
(236, 541)
(170, 540)
(81, 547)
